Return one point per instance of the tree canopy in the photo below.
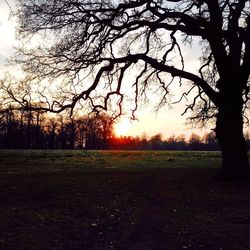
(109, 38)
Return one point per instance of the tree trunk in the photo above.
(229, 132)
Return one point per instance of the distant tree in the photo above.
(111, 39)
(104, 129)
(156, 142)
(99, 130)
(51, 131)
(81, 128)
(181, 142)
(38, 130)
(195, 142)
(211, 142)
(144, 144)
(9, 114)
(61, 131)
(172, 143)
(70, 130)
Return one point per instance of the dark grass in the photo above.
(110, 200)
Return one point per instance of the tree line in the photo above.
(23, 129)
(206, 142)
(27, 129)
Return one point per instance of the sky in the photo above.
(167, 121)
(7, 34)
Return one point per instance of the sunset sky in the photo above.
(167, 121)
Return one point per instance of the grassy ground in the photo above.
(119, 200)
(27, 161)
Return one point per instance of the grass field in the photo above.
(18, 161)
(119, 200)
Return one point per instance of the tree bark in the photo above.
(229, 132)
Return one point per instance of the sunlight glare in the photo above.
(122, 128)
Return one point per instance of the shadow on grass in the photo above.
(120, 209)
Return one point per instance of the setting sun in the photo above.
(122, 128)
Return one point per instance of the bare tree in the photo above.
(141, 44)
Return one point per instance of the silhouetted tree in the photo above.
(51, 130)
(10, 127)
(156, 142)
(171, 143)
(61, 131)
(99, 131)
(195, 142)
(181, 141)
(144, 144)
(113, 38)
(81, 129)
(210, 141)
(70, 130)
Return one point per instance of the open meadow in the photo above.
(52, 199)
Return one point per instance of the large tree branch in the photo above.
(210, 92)
(191, 30)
